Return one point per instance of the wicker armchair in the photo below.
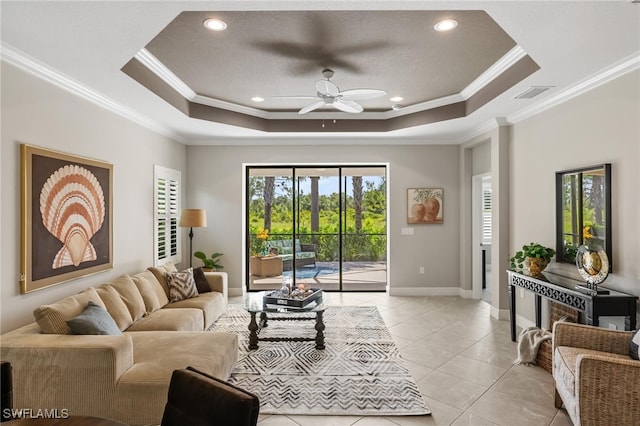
(595, 376)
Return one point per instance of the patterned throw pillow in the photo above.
(181, 285)
(633, 346)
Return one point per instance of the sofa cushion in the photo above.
(181, 285)
(94, 320)
(130, 295)
(201, 281)
(151, 291)
(160, 273)
(187, 319)
(52, 318)
(142, 389)
(116, 307)
(211, 304)
(565, 361)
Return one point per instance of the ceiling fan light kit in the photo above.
(329, 94)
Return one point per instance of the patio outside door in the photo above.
(322, 226)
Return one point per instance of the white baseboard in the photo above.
(500, 314)
(425, 291)
(235, 291)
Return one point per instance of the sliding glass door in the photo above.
(322, 226)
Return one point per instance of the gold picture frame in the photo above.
(66, 217)
(425, 205)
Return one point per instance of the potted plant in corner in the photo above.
(210, 263)
(535, 256)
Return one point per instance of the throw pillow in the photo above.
(635, 343)
(182, 285)
(201, 281)
(93, 320)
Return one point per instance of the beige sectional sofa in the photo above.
(126, 376)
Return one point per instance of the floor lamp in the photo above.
(192, 218)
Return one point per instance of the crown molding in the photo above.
(22, 61)
(491, 73)
(154, 65)
(620, 68)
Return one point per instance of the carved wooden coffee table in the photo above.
(254, 304)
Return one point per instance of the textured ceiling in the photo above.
(271, 54)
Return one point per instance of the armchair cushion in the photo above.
(633, 346)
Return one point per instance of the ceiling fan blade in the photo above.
(348, 106)
(325, 87)
(311, 107)
(294, 97)
(360, 94)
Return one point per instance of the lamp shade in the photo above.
(193, 218)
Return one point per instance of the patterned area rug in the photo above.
(359, 373)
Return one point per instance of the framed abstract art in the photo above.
(66, 217)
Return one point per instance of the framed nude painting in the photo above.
(424, 205)
(66, 217)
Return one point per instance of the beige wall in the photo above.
(38, 113)
(215, 183)
(601, 126)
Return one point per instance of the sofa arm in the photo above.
(80, 371)
(607, 388)
(589, 337)
(218, 281)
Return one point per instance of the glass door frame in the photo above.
(295, 216)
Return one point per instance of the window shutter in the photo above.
(486, 216)
(166, 215)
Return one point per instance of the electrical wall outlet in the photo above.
(421, 270)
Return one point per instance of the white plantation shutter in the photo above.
(166, 214)
(486, 214)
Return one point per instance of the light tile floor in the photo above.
(462, 360)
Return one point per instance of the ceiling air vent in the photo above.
(533, 91)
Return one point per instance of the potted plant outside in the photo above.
(210, 263)
(535, 255)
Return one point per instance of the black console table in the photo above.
(563, 290)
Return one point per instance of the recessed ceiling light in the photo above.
(215, 24)
(445, 25)
(257, 99)
(396, 99)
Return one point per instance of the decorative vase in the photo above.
(432, 206)
(536, 265)
(418, 212)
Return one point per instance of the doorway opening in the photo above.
(322, 226)
(482, 234)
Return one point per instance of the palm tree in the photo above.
(357, 202)
(269, 191)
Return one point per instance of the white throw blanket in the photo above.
(528, 343)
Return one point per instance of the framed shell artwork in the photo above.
(66, 217)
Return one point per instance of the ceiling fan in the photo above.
(328, 93)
